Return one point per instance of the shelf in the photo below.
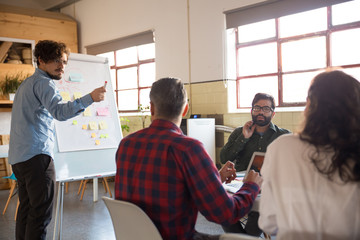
(6, 104)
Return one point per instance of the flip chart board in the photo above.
(86, 144)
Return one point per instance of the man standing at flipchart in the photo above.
(37, 102)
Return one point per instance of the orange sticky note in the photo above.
(97, 142)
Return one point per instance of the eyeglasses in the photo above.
(265, 109)
(60, 61)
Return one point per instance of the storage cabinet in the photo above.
(24, 25)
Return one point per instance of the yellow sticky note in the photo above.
(93, 135)
(84, 126)
(97, 142)
(75, 122)
(77, 95)
(103, 125)
(93, 126)
(87, 112)
(65, 96)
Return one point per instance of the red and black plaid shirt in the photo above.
(171, 177)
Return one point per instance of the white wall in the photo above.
(172, 21)
(5, 119)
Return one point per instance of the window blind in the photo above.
(121, 43)
(272, 9)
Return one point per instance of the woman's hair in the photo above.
(332, 123)
(49, 50)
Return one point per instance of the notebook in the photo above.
(255, 164)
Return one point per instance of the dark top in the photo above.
(241, 149)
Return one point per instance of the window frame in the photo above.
(137, 65)
(279, 41)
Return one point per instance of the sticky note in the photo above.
(65, 96)
(103, 125)
(75, 122)
(102, 111)
(93, 135)
(75, 77)
(77, 95)
(97, 142)
(84, 126)
(93, 126)
(87, 112)
(104, 135)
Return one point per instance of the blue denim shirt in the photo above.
(37, 102)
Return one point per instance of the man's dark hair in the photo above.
(264, 96)
(331, 124)
(49, 50)
(169, 96)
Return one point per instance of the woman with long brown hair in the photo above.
(311, 187)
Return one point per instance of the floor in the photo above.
(82, 220)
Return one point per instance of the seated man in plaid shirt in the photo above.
(171, 176)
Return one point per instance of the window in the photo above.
(281, 55)
(132, 69)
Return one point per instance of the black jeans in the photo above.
(36, 187)
(251, 226)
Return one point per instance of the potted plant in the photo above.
(11, 83)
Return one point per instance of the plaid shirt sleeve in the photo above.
(211, 199)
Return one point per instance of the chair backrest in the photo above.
(130, 222)
(236, 236)
(12, 177)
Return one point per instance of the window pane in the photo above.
(345, 47)
(296, 86)
(304, 54)
(146, 51)
(146, 74)
(257, 59)
(126, 56)
(128, 100)
(144, 97)
(249, 87)
(345, 12)
(302, 23)
(256, 31)
(354, 72)
(127, 78)
(109, 56)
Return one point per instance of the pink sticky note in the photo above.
(102, 112)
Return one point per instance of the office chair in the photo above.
(12, 188)
(130, 222)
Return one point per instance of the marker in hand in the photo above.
(105, 84)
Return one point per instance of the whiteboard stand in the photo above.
(59, 211)
(95, 189)
(75, 156)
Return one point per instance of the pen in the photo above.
(105, 84)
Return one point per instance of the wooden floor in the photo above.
(82, 220)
